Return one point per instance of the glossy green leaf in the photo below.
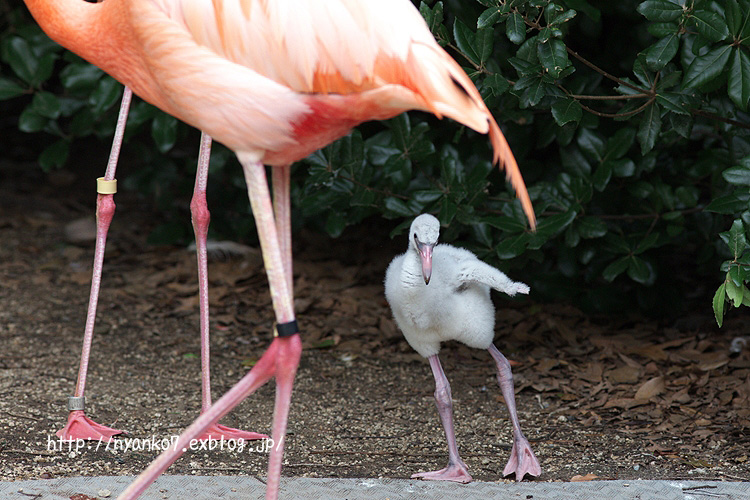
(485, 39)
(734, 292)
(591, 227)
(488, 18)
(80, 77)
(733, 16)
(164, 131)
(108, 92)
(660, 30)
(620, 143)
(649, 128)
(55, 155)
(728, 204)
(705, 68)
(739, 176)
(718, 304)
(553, 56)
(739, 78)
(22, 60)
(735, 239)
(660, 53)
(601, 176)
(497, 83)
(710, 25)
(46, 104)
(616, 268)
(9, 89)
(512, 247)
(29, 121)
(674, 102)
(566, 110)
(641, 271)
(515, 28)
(660, 10)
(466, 40)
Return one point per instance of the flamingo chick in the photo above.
(440, 293)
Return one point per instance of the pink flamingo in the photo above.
(273, 81)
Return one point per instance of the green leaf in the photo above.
(718, 304)
(515, 28)
(641, 271)
(739, 176)
(513, 246)
(619, 144)
(485, 40)
(562, 17)
(80, 77)
(46, 104)
(673, 101)
(735, 239)
(660, 53)
(107, 94)
(164, 131)
(660, 30)
(566, 110)
(488, 17)
(591, 227)
(616, 268)
(705, 68)
(660, 10)
(601, 176)
(734, 292)
(649, 128)
(335, 223)
(29, 121)
(710, 25)
(465, 40)
(553, 56)
(497, 83)
(739, 79)
(591, 143)
(9, 89)
(54, 155)
(22, 59)
(728, 204)
(733, 16)
(397, 207)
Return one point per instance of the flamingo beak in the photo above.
(425, 254)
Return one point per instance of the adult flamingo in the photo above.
(80, 426)
(273, 81)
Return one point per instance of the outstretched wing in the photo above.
(476, 271)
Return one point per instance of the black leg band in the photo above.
(286, 329)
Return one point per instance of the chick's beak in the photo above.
(425, 254)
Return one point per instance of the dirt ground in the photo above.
(598, 397)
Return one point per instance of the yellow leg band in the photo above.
(104, 186)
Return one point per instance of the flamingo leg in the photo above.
(456, 469)
(522, 459)
(280, 359)
(79, 426)
(201, 218)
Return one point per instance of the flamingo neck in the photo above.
(101, 34)
(75, 24)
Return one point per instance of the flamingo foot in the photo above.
(457, 472)
(522, 460)
(218, 432)
(80, 426)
